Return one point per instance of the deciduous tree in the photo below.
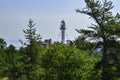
(61, 62)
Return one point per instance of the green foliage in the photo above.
(10, 63)
(82, 44)
(61, 62)
(30, 59)
(3, 57)
(13, 63)
(3, 65)
(2, 43)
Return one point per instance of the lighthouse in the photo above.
(62, 28)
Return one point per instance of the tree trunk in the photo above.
(105, 66)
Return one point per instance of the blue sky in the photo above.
(47, 14)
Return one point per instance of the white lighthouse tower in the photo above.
(62, 28)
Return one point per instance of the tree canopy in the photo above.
(61, 62)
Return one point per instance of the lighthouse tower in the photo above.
(62, 28)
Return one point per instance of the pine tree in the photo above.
(30, 56)
(30, 33)
(105, 31)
